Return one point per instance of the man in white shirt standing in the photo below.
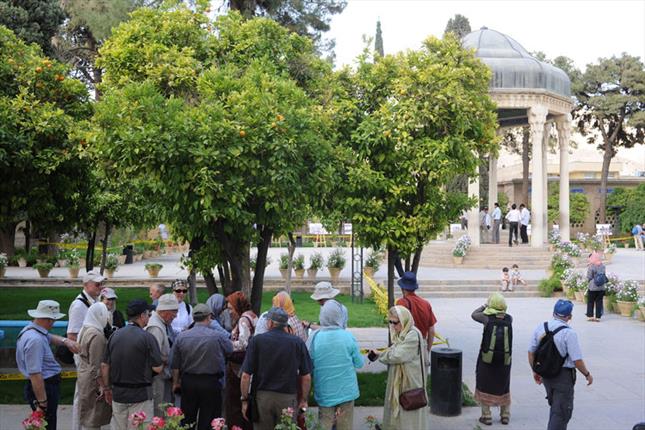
(513, 218)
(92, 284)
(484, 225)
(497, 221)
(525, 218)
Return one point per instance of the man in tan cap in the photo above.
(159, 326)
(37, 363)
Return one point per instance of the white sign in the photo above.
(317, 228)
(604, 229)
(455, 228)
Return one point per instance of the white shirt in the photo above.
(513, 215)
(525, 216)
(497, 214)
(183, 319)
(77, 312)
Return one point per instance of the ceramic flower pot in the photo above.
(625, 308)
(334, 272)
(22, 262)
(62, 263)
(2, 271)
(606, 304)
(311, 274)
(300, 273)
(284, 273)
(73, 271)
(457, 260)
(153, 272)
(43, 273)
(109, 273)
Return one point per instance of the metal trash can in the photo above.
(299, 241)
(445, 376)
(128, 251)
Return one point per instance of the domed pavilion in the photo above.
(527, 91)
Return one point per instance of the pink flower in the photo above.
(138, 418)
(218, 423)
(158, 422)
(174, 412)
(287, 412)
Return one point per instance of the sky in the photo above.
(582, 30)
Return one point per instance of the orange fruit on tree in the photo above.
(242, 133)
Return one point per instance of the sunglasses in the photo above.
(393, 322)
(181, 291)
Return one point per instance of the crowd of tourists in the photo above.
(221, 359)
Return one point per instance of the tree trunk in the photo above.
(604, 176)
(89, 254)
(27, 232)
(237, 253)
(291, 248)
(260, 267)
(104, 243)
(8, 238)
(407, 263)
(417, 259)
(526, 134)
(211, 285)
(192, 287)
(224, 278)
(390, 276)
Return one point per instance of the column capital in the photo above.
(563, 122)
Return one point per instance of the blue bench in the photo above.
(9, 330)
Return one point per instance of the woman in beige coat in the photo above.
(406, 363)
(93, 410)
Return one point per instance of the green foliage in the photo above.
(578, 206)
(284, 261)
(548, 286)
(374, 259)
(299, 262)
(153, 266)
(413, 122)
(73, 258)
(316, 261)
(378, 40)
(632, 201)
(112, 262)
(336, 259)
(34, 21)
(43, 266)
(459, 26)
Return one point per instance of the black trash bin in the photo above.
(445, 376)
(128, 251)
(299, 241)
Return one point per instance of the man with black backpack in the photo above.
(554, 356)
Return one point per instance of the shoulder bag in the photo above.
(415, 398)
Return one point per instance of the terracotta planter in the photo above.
(626, 308)
(369, 271)
(334, 272)
(43, 273)
(300, 273)
(3, 270)
(580, 296)
(109, 273)
(154, 272)
(311, 274)
(457, 260)
(62, 263)
(284, 273)
(73, 271)
(22, 262)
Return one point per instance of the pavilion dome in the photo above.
(512, 66)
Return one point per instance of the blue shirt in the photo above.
(335, 356)
(33, 353)
(566, 341)
(215, 325)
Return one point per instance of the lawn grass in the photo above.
(15, 301)
(371, 387)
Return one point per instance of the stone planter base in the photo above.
(121, 258)
(73, 272)
(300, 274)
(626, 308)
(153, 273)
(334, 272)
(62, 263)
(641, 313)
(606, 304)
(22, 262)
(457, 260)
(580, 296)
(284, 273)
(43, 273)
(109, 273)
(311, 274)
(3, 270)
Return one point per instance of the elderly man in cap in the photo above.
(278, 363)
(198, 365)
(559, 388)
(92, 284)
(184, 315)
(159, 327)
(131, 357)
(325, 295)
(421, 310)
(36, 361)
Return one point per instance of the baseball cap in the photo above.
(167, 302)
(563, 308)
(108, 293)
(93, 276)
(201, 310)
(137, 307)
(278, 316)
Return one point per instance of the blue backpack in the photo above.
(600, 279)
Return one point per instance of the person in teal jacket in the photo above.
(335, 356)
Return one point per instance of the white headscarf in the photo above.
(97, 317)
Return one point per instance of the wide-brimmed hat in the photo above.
(93, 276)
(324, 290)
(167, 302)
(46, 309)
(408, 281)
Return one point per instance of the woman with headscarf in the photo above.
(406, 366)
(93, 410)
(294, 325)
(596, 287)
(217, 303)
(244, 321)
(335, 356)
(493, 373)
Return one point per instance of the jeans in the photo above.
(52, 391)
(559, 393)
(201, 394)
(595, 298)
(512, 228)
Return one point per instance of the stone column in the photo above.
(563, 124)
(492, 183)
(537, 117)
(473, 213)
(545, 164)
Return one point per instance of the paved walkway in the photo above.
(614, 351)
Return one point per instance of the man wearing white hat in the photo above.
(159, 326)
(324, 294)
(37, 363)
(92, 284)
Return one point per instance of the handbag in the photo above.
(415, 398)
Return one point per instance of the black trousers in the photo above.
(201, 395)
(512, 228)
(523, 234)
(52, 390)
(559, 393)
(594, 298)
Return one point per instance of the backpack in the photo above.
(547, 361)
(497, 341)
(62, 353)
(600, 279)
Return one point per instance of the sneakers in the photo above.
(486, 420)
(505, 420)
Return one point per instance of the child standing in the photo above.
(506, 280)
(516, 277)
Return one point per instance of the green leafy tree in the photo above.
(378, 40)
(578, 206)
(631, 206)
(226, 125)
(459, 26)
(34, 21)
(611, 109)
(417, 121)
(40, 168)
